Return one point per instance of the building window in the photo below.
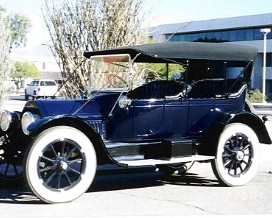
(210, 35)
(249, 34)
(233, 36)
(257, 34)
(241, 35)
(188, 37)
(225, 36)
(220, 36)
(268, 60)
(217, 35)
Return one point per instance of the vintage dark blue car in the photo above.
(200, 115)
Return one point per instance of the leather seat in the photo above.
(157, 89)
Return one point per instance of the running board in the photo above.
(152, 162)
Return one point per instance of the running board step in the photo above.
(152, 162)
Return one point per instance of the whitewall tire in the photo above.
(238, 155)
(60, 165)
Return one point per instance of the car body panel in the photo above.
(59, 107)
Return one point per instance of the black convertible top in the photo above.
(182, 51)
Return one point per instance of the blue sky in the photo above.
(175, 11)
(162, 12)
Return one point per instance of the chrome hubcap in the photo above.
(239, 155)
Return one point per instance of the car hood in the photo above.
(62, 107)
(99, 105)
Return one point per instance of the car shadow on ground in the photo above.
(115, 180)
(148, 179)
(18, 196)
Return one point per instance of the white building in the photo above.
(42, 58)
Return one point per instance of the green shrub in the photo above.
(255, 96)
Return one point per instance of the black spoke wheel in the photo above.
(11, 159)
(238, 155)
(60, 165)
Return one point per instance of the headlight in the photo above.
(27, 119)
(6, 119)
(124, 102)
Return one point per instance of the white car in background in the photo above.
(41, 88)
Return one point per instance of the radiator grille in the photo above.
(99, 127)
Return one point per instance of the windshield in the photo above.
(119, 72)
(111, 71)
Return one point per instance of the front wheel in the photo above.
(11, 159)
(238, 155)
(60, 165)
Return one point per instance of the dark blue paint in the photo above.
(144, 119)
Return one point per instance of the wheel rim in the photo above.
(61, 164)
(10, 160)
(237, 155)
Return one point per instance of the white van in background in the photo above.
(41, 88)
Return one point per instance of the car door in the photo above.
(201, 106)
(175, 118)
(200, 114)
(30, 89)
(148, 116)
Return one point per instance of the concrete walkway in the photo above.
(263, 108)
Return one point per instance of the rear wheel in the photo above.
(238, 155)
(60, 165)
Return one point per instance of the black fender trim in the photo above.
(210, 138)
(103, 157)
(253, 121)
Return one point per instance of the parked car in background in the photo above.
(200, 117)
(41, 88)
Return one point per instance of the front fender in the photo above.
(38, 126)
(42, 124)
(68, 120)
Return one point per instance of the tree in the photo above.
(23, 70)
(163, 71)
(77, 26)
(4, 53)
(13, 33)
(19, 26)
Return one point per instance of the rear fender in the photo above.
(254, 122)
(210, 139)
